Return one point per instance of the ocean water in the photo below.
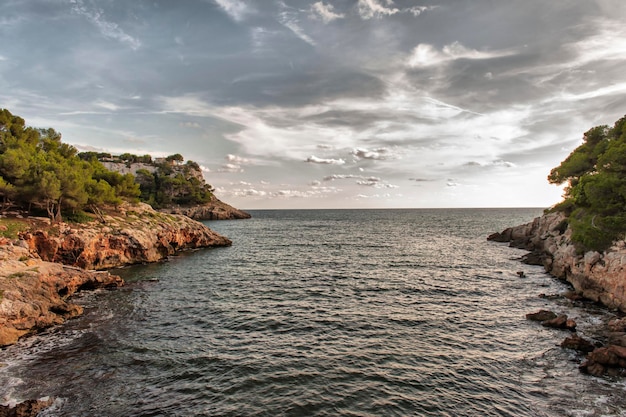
(323, 313)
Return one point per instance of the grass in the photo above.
(10, 228)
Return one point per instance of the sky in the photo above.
(326, 104)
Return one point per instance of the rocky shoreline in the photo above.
(599, 277)
(213, 210)
(49, 263)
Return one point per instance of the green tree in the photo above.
(595, 197)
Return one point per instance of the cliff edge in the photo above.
(597, 276)
(215, 209)
(49, 263)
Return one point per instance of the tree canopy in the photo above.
(595, 196)
(37, 170)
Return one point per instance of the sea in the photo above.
(324, 313)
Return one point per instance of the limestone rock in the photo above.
(139, 234)
(600, 277)
(213, 210)
(610, 360)
(541, 315)
(29, 408)
(577, 343)
(34, 293)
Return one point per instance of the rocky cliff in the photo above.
(137, 234)
(213, 210)
(597, 276)
(49, 263)
(34, 293)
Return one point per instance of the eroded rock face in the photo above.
(30, 408)
(34, 293)
(139, 235)
(597, 276)
(213, 210)
(42, 269)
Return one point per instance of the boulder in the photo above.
(606, 360)
(541, 315)
(560, 322)
(578, 343)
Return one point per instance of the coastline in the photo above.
(598, 277)
(47, 264)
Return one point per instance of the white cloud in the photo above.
(361, 180)
(372, 8)
(107, 105)
(107, 29)
(237, 159)
(236, 9)
(325, 12)
(231, 168)
(424, 54)
(192, 125)
(376, 154)
(314, 159)
(288, 17)
(418, 10)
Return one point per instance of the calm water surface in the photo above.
(323, 313)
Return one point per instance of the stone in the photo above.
(35, 294)
(560, 322)
(541, 315)
(606, 360)
(595, 276)
(29, 408)
(578, 343)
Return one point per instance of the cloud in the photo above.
(325, 12)
(495, 163)
(425, 55)
(236, 9)
(107, 29)
(230, 168)
(288, 17)
(361, 180)
(233, 164)
(375, 154)
(237, 159)
(372, 8)
(418, 10)
(192, 125)
(315, 160)
(421, 179)
(107, 105)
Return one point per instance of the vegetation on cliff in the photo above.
(162, 181)
(38, 172)
(595, 196)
